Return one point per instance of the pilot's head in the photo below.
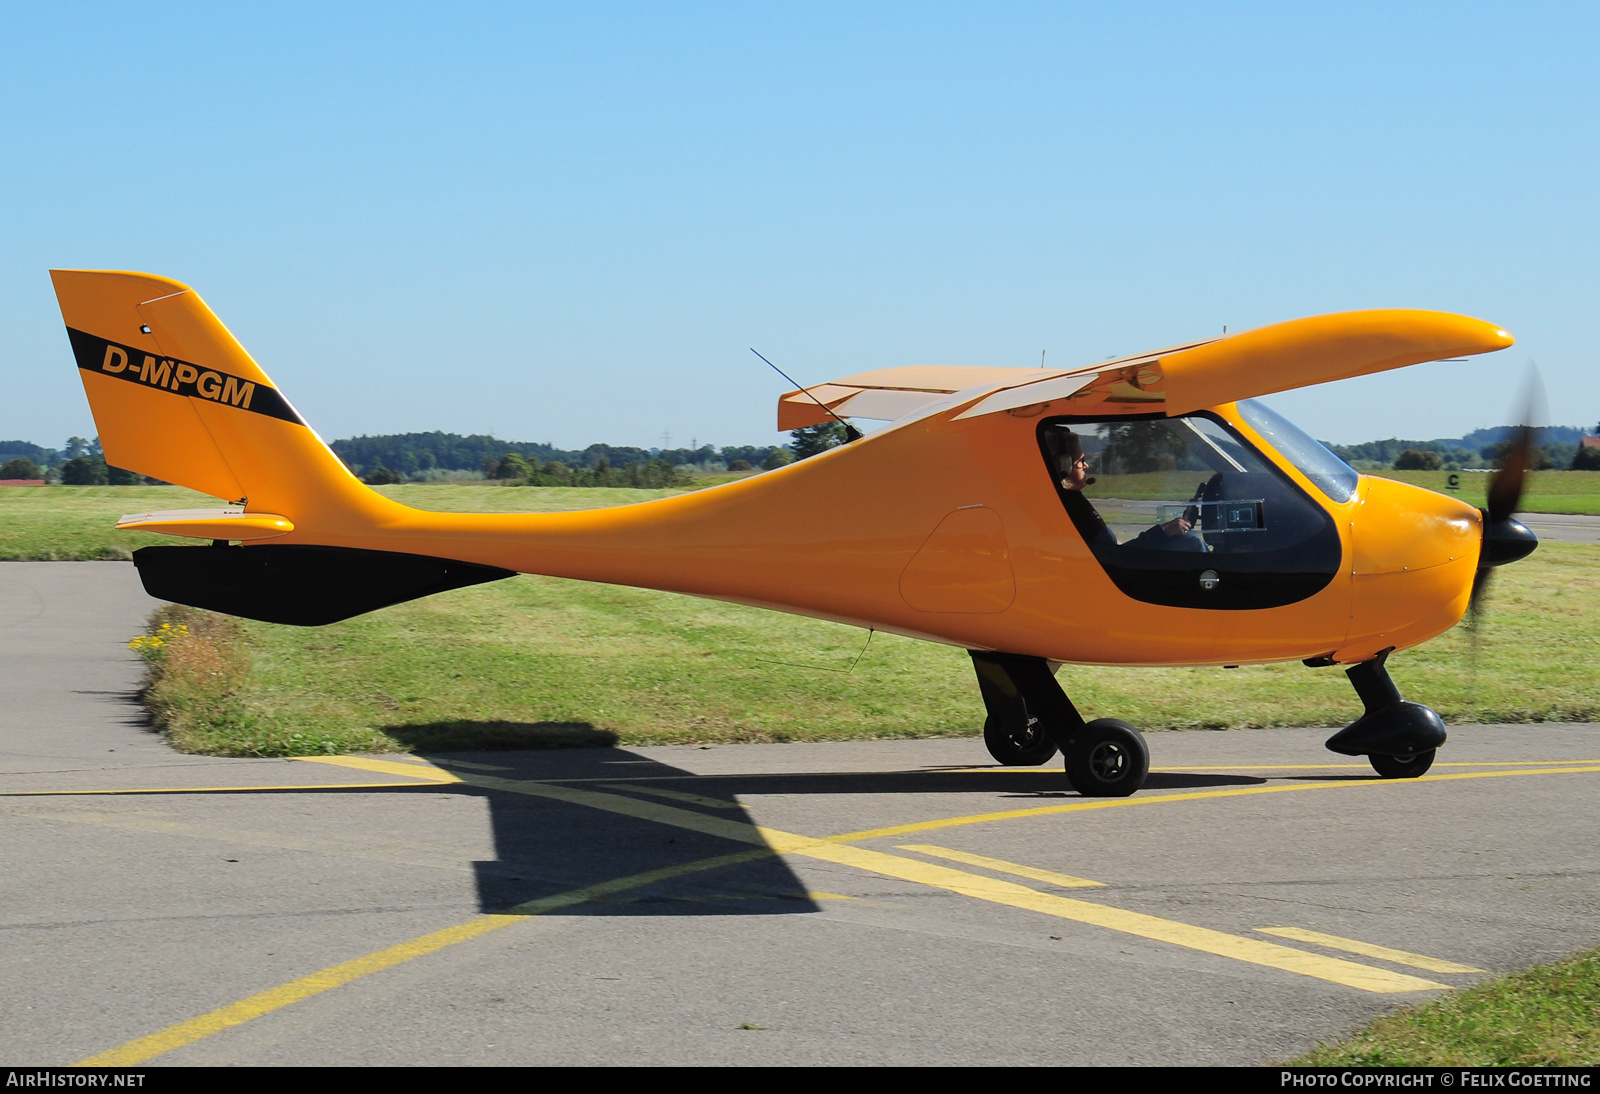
(1072, 465)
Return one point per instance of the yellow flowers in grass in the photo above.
(153, 645)
(196, 665)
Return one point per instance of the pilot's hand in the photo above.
(1176, 527)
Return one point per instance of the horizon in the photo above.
(658, 449)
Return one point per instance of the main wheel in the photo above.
(1028, 747)
(1403, 767)
(1106, 759)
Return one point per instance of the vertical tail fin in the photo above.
(175, 396)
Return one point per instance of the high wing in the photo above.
(1175, 380)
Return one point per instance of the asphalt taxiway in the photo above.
(872, 902)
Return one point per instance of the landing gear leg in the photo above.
(1030, 717)
(1397, 737)
(1017, 733)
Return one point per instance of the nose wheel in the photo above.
(1403, 767)
(1397, 737)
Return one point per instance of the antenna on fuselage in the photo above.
(851, 433)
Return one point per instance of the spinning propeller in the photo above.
(1506, 539)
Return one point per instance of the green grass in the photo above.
(78, 523)
(1546, 491)
(1549, 1015)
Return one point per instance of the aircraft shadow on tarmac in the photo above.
(545, 846)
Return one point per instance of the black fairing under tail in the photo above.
(301, 585)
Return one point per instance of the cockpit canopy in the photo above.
(1184, 511)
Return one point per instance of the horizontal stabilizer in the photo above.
(301, 585)
(208, 524)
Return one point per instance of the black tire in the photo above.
(1403, 767)
(1106, 759)
(1025, 748)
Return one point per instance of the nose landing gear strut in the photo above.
(1397, 737)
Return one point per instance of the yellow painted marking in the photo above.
(734, 898)
(184, 1033)
(674, 795)
(1270, 954)
(469, 765)
(1253, 767)
(417, 769)
(1367, 949)
(235, 1014)
(208, 789)
(723, 827)
(1198, 795)
(1065, 881)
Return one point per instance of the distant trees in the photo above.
(650, 474)
(92, 471)
(42, 457)
(1137, 447)
(513, 466)
(381, 476)
(653, 475)
(740, 465)
(1538, 458)
(809, 440)
(1586, 459)
(20, 468)
(777, 458)
(1413, 459)
(84, 471)
(432, 455)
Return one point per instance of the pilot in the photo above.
(1177, 534)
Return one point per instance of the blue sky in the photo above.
(568, 223)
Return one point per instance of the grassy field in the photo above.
(77, 523)
(1546, 492)
(1548, 1016)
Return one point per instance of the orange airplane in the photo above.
(1138, 511)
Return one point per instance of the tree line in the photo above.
(1554, 448)
(414, 457)
(423, 456)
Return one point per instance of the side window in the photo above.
(1182, 511)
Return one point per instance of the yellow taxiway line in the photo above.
(835, 849)
(1367, 949)
(1050, 877)
(1197, 795)
(245, 1010)
(216, 789)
